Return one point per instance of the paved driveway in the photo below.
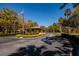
(12, 46)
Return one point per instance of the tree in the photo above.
(62, 21)
(72, 17)
(43, 28)
(73, 4)
(30, 24)
(50, 28)
(67, 13)
(9, 19)
(54, 28)
(35, 24)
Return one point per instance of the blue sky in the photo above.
(44, 14)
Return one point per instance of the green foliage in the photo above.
(29, 21)
(61, 20)
(72, 18)
(28, 36)
(54, 27)
(8, 20)
(30, 24)
(67, 12)
(76, 10)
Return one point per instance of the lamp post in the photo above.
(23, 25)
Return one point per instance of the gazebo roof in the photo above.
(36, 27)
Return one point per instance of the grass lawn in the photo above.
(28, 36)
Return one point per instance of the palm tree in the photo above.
(67, 13)
(73, 4)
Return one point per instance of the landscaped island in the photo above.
(29, 35)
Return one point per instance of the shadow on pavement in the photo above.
(29, 51)
(74, 40)
(51, 53)
(34, 51)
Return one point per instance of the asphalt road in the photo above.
(6, 48)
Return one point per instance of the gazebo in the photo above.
(34, 30)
